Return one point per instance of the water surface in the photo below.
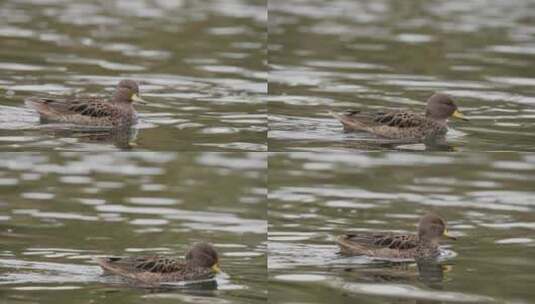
(486, 199)
(60, 210)
(200, 64)
(344, 54)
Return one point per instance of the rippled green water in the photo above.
(200, 64)
(486, 198)
(368, 54)
(57, 211)
(220, 76)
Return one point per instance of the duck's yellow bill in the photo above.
(446, 234)
(459, 115)
(216, 268)
(138, 99)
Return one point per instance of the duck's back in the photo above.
(87, 111)
(396, 124)
(153, 269)
(380, 245)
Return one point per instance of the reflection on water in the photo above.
(200, 64)
(86, 138)
(343, 54)
(313, 197)
(58, 211)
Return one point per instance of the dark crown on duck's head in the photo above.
(129, 84)
(441, 107)
(432, 227)
(127, 91)
(203, 255)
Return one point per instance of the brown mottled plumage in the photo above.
(405, 125)
(119, 111)
(397, 246)
(202, 262)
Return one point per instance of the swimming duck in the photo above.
(405, 125)
(98, 112)
(398, 246)
(201, 263)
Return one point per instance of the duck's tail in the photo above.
(350, 121)
(40, 105)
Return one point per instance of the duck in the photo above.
(405, 125)
(201, 263)
(97, 112)
(424, 244)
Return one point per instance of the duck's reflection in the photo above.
(388, 145)
(430, 272)
(122, 138)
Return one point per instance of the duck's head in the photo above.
(441, 107)
(203, 255)
(127, 91)
(432, 227)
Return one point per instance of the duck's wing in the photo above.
(153, 264)
(364, 120)
(380, 241)
(85, 107)
(399, 119)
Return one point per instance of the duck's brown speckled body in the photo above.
(98, 112)
(405, 125)
(201, 263)
(397, 246)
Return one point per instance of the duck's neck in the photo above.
(435, 118)
(426, 241)
(123, 104)
(428, 248)
(440, 120)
